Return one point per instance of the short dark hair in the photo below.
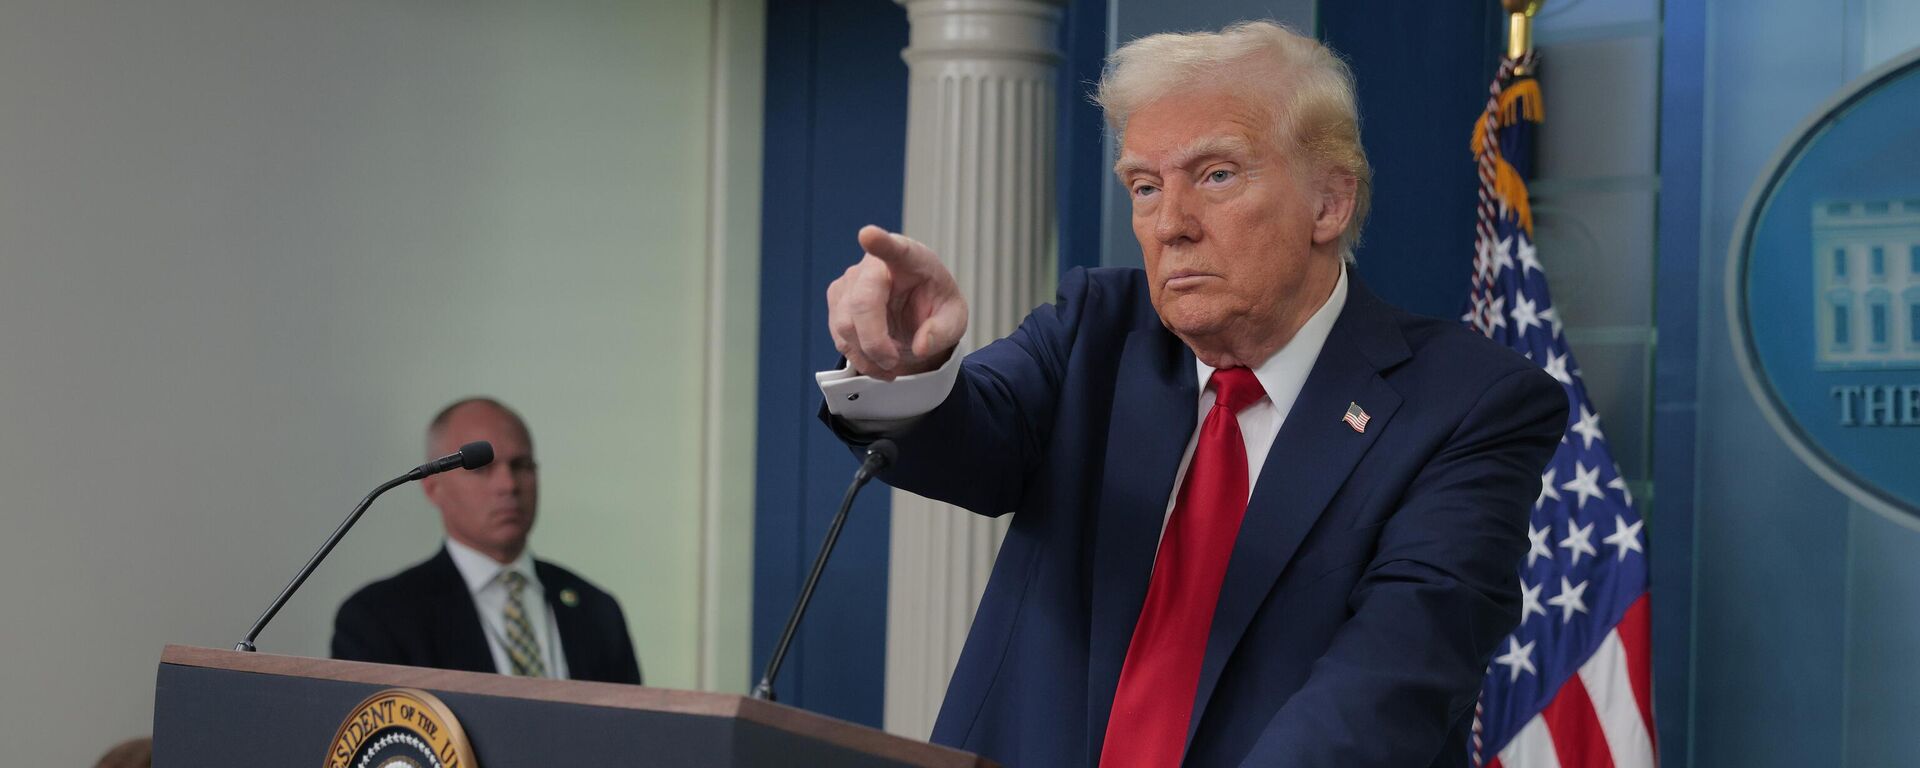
(438, 427)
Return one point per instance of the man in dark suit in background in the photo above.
(483, 603)
(1261, 517)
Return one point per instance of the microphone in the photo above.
(470, 456)
(880, 454)
(473, 455)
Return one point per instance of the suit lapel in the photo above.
(1154, 405)
(1310, 460)
(569, 620)
(456, 624)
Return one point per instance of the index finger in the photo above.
(896, 250)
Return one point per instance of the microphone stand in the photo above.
(473, 455)
(246, 643)
(880, 454)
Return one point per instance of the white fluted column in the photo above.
(979, 191)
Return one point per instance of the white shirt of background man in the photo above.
(483, 577)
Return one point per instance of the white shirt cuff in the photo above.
(870, 405)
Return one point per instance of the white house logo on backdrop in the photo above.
(1823, 291)
(1866, 262)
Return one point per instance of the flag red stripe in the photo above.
(1635, 635)
(1577, 737)
(1494, 763)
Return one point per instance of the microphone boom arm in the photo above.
(473, 455)
(880, 454)
(246, 643)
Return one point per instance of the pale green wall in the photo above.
(247, 248)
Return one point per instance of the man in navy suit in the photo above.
(1260, 516)
(483, 603)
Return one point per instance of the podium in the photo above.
(215, 708)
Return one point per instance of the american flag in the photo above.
(1571, 687)
(1356, 417)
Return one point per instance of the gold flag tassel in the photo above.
(1517, 98)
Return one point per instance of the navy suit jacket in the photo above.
(1373, 577)
(424, 617)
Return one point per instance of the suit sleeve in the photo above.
(977, 448)
(360, 635)
(1436, 599)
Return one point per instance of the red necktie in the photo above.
(1148, 727)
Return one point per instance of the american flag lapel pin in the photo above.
(1356, 417)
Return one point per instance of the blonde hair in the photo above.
(1310, 94)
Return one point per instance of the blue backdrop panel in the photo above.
(1085, 169)
(1676, 370)
(835, 146)
(1771, 539)
(1422, 71)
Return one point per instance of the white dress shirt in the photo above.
(483, 576)
(872, 405)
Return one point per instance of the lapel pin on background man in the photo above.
(1217, 557)
(483, 603)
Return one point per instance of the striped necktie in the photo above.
(522, 649)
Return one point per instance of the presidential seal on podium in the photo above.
(400, 728)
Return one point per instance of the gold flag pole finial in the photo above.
(1520, 27)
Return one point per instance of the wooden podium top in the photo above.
(820, 727)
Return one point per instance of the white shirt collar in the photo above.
(1284, 374)
(479, 571)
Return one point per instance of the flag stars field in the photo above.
(1579, 540)
(1619, 483)
(1588, 427)
(1530, 601)
(1537, 544)
(1529, 258)
(1556, 364)
(1524, 315)
(1625, 536)
(1503, 257)
(1517, 659)
(1569, 693)
(1571, 600)
(1585, 482)
(1547, 491)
